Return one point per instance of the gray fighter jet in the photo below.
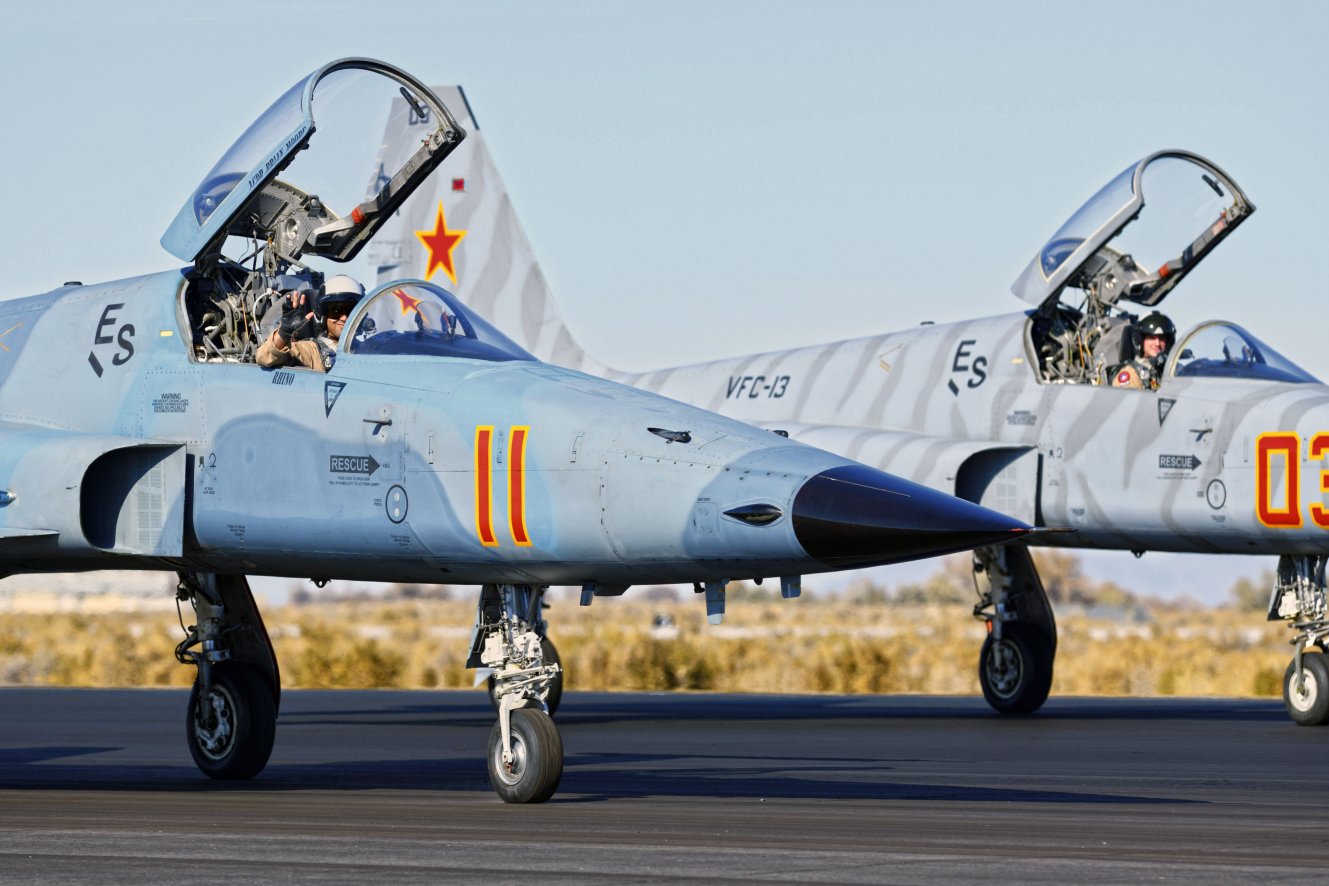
(1023, 413)
(161, 422)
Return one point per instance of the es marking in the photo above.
(122, 338)
(973, 372)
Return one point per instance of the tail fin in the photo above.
(478, 249)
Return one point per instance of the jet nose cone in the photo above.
(858, 516)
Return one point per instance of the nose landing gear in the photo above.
(525, 756)
(1299, 598)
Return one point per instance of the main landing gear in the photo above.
(1015, 663)
(525, 750)
(231, 720)
(1299, 598)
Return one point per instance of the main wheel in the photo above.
(231, 728)
(1309, 705)
(555, 686)
(1016, 671)
(537, 758)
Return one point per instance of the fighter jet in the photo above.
(138, 430)
(1022, 413)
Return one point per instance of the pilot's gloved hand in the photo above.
(295, 317)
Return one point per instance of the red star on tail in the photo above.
(440, 242)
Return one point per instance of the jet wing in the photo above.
(7, 533)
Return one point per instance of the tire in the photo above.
(231, 732)
(537, 764)
(1310, 706)
(1016, 671)
(555, 686)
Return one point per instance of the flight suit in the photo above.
(1140, 373)
(317, 354)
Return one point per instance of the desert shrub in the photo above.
(865, 641)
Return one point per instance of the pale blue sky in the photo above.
(707, 178)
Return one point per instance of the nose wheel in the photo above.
(1306, 693)
(530, 771)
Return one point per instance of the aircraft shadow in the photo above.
(462, 708)
(345, 742)
(587, 778)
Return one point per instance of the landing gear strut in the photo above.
(550, 654)
(1015, 663)
(1299, 598)
(231, 719)
(525, 756)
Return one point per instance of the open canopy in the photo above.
(1138, 236)
(324, 138)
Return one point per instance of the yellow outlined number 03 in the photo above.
(484, 485)
(1283, 448)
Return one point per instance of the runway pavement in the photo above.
(97, 786)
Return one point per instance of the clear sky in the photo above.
(708, 178)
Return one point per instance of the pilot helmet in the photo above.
(1158, 324)
(338, 289)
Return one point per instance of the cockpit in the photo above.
(420, 319)
(1132, 243)
(312, 180)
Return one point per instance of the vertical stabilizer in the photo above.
(460, 231)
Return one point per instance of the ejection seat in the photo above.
(1115, 347)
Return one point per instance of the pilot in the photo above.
(1154, 337)
(288, 344)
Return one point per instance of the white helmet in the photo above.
(341, 288)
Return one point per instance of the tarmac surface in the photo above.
(97, 786)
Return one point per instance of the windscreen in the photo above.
(420, 319)
(1225, 350)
